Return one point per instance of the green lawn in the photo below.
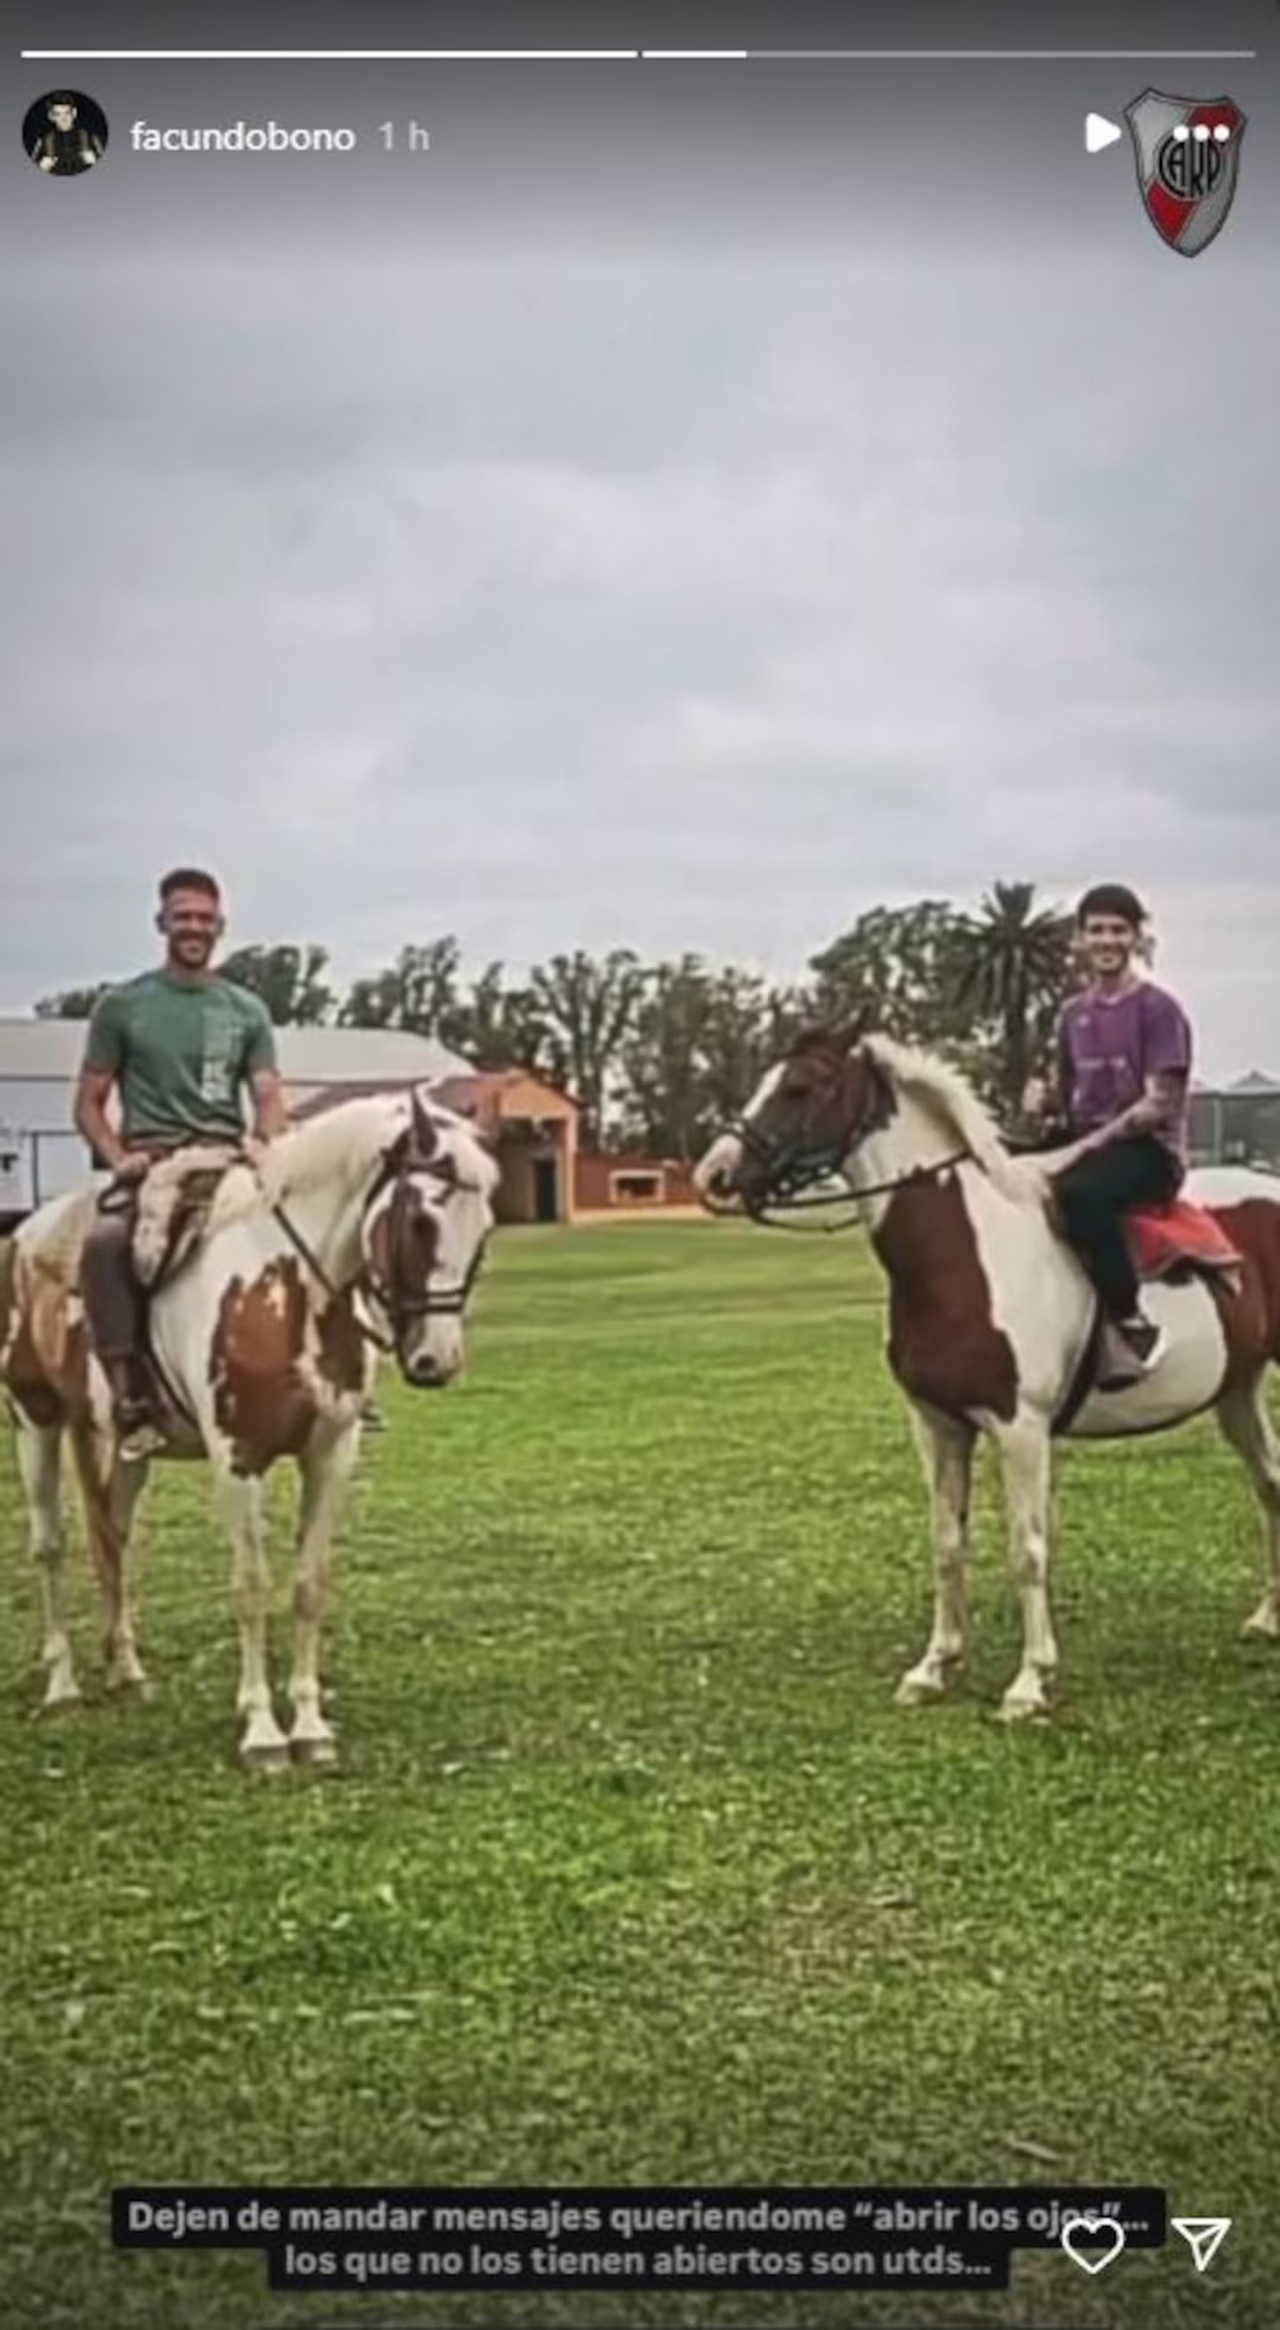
(633, 1871)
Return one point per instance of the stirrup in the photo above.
(1156, 1348)
(1121, 1365)
(137, 1438)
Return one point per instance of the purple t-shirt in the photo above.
(1108, 1045)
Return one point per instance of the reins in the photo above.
(397, 1307)
(312, 1260)
(789, 1171)
(800, 1204)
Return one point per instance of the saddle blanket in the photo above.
(1161, 1236)
(173, 1207)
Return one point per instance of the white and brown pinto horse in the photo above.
(363, 1227)
(992, 1321)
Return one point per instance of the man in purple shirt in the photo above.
(1123, 1066)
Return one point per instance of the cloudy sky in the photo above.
(686, 536)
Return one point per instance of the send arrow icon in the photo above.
(1205, 2236)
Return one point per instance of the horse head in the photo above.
(807, 1115)
(424, 1234)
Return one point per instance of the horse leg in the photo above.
(1025, 1456)
(126, 1671)
(39, 1448)
(325, 1468)
(239, 1501)
(1245, 1423)
(110, 1492)
(946, 1452)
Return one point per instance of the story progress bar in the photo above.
(634, 56)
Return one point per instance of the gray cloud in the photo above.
(670, 605)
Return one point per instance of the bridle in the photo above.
(789, 1168)
(401, 1308)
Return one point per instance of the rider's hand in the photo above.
(1024, 1180)
(131, 1168)
(1035, 1097)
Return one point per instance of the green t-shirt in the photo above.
(180, 1054)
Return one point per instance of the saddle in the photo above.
(1177, 1237)
(1179, 1240)
(173, 1207)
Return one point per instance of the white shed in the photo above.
(41, 1154)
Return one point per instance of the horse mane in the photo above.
(337, 1146)
(945, 1097)
(340, 1145)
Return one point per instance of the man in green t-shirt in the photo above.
(180, 1048)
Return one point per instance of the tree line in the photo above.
(658, 1055)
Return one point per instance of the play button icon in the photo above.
(1099, 132)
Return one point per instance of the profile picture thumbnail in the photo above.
(64, 133)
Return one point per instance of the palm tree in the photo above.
(1013, 972)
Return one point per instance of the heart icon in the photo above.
(1085, 2231)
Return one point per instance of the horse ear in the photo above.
(851, 1031)
(426, 1138)
(834, 1035)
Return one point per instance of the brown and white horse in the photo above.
(366, 1224)
(992, 1320)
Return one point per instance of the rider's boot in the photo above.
(1131, 1348)
(138, 1435)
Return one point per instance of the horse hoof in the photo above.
(918, 1691)
(130, 1690)
(316, 1755)
(267, 1758)
(1264, 1626)
(65, 1702)
(1015, 1709)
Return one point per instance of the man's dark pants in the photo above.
(113, 1299)
(1095, 1194)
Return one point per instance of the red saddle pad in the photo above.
(1181, 1232)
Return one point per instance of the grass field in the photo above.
(633, 1871)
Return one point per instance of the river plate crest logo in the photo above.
(1188, 155)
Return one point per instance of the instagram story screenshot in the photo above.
(640, 1165)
